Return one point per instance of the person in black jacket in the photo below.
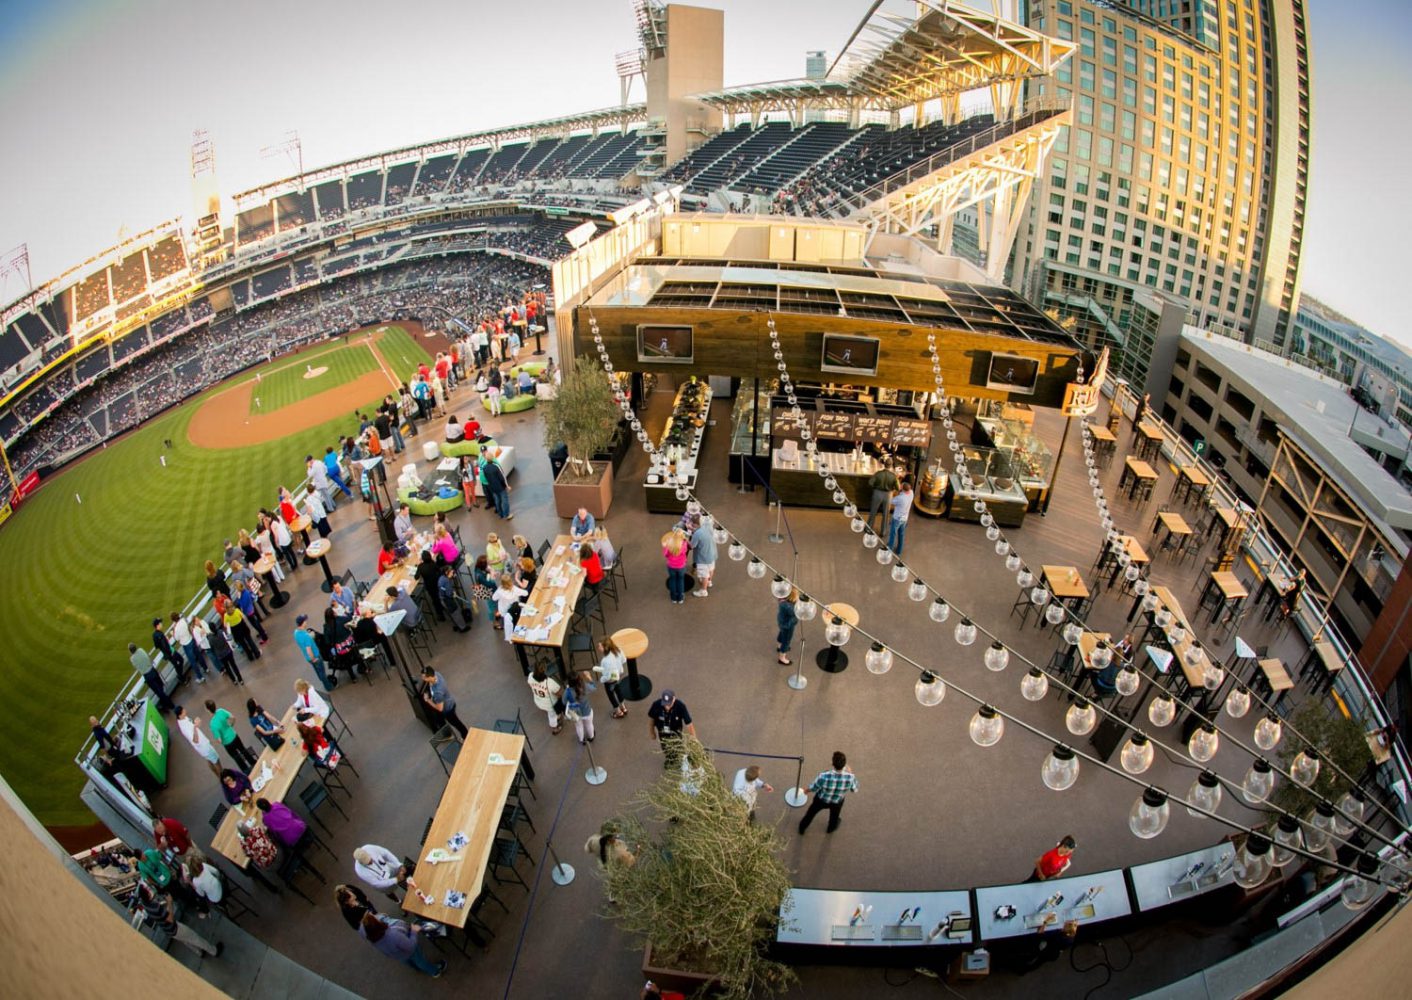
(163, 645)
(495, 485)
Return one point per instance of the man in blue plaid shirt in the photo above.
(829, 788)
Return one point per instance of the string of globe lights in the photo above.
(1150, 812)
(1139, 752)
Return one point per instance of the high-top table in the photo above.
(265, 566)
(1149, 440)
(832, 659)
(632, 642)
(471, 805)
(301, 525)
(560, 576)
(318, 552)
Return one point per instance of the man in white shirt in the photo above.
(901, 507)
(181, 635)
(747, 785)
(318, 480)
(191, 728)
(379, 868)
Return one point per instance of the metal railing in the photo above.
(1311, 615)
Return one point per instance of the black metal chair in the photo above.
(619, 568)
(504, 858)
(314, 795)
(446, 744)
(512, 816)
(425, 831)
(579, 642)
(219, 815)
(371, 652)
(515, 725)
(539, 552)
(588, 611)
(235, 901)
(290, 865)
(334, 725)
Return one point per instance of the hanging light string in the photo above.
(1073, 630)
(739, 550)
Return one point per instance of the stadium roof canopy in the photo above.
(893, 61)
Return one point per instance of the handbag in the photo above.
(481, 592)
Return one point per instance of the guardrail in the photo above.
(1311, 615)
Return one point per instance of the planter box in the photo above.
(618, 448)
(595, 497)
(677, 979)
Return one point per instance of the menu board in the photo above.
(867, 427)
(784, 424)
(909, 431)
(834, 426)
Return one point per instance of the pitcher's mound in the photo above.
(310, 372)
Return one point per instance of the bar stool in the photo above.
(446, 744)
(504, 857)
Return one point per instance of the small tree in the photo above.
(583, 415)
(1339, 740)
(707, 887)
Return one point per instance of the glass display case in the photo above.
(750, 432)
(993, 480)
(1031, 461)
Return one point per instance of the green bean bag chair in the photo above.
(471, 448)
(535, 368)
(524, 401)
(436, 505)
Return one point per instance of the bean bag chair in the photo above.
(524, 401)
(436, 505)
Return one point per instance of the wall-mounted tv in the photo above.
(665, 344)
(850, 355)
(1012, 373)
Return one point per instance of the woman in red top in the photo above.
(1053, 862)
(386, 558)
(286, 506)
(592, 566)
(313, 738)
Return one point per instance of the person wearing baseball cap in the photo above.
(668, 718)
(308, 642)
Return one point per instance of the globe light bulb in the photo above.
(850, 510)
(939, 611)
(1161, 710)
(1034, 685)
(1238, 702)
(1002, 547)
(1024, 579)
(1320, 827)
(1012, 562)
(1252, 864)
(979, 506)
(1162, 619)
(997, 657)
(992, 532)
(693, 507)
(1149, 814)
(1039, 596)
(1305, 767)
(839, 496)
(805, 609)
(1214, 677)
(1054, 614)
(858, 524)
(1102, 655)
(987, 519)
(756, 569)
(1203, 743)
(1350, 811)
(1127, 680)
(837, 631)
(1195, 656)
(986, 727)
(1131, 573)
(1177, 633)
(1287, 836)
(736, 551)
(1071, 633)
(870, 540)
(830, 483)
(878, 658)
(884, 556)
(899, 572)
(1149, 601)
(917, 590)
(779, 587)
(1141, 587)
(1205, 792)
(1080, 718)
(1137, 754)
(1124, 557)
(1267, 732)
(930, 689)
(1360, 890)
(1258, 783)
(1060, 769)
(965, 632)
(682, 493)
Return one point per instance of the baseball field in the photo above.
(120, 537)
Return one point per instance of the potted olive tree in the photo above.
(582, 416)
(705, 889)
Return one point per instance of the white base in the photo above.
(562, 873)
(796, 797)
(798, 681)
(595, 775)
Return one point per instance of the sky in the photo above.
(98, 100)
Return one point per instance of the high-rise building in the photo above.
(1184, 172)
(1353, 354)
(816, 65)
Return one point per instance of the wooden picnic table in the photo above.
(560, 576)
(1276, 675)
(471, 805)
(284, 764)
(1065, 582)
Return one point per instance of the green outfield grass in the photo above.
(81, 581)
(285, 384)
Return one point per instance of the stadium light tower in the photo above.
(293, 148)
(630, 67)
(15, 275)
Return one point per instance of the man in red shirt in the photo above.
(423, 370)
(443, 366)
(171, 835)
(1054, 862)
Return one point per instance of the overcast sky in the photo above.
(98, 100)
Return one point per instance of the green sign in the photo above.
(554, 210)
(1199, 446)
(153, 740)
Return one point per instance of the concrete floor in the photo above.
(934, 811)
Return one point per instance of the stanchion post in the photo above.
(797, 795)
(561, 873)
(595, 775)
(797, 680)
(775, 535)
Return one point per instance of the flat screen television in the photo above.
(850, 355)
(665, 344)
(1012, 373)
